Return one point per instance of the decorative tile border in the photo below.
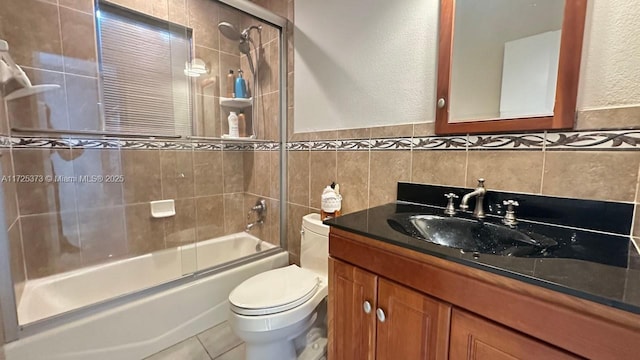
(578, 140)
(600, 140)
(507, 141)
(440, 143)
(611, 140)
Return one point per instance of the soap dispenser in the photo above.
(241, 86)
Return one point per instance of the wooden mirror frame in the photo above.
(563, 117)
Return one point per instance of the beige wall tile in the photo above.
(272, 116)
(178, 12)
(78, 42)
(614, 118)
(209, 118)
(364, 133)
(142, 174)
(273, 217)
(274, 65)
(234, 213)
(82, 102)
(96, 162)
(591, 175)
(439, 167)
(44, 197)
(103, 235)
(181, 228)
(203, 17)
(298, 177)
(144, 233)
(519, 171)
(209, 217)
(256, 172)
(16, 253)
(290, 83)
(392, 131)
(424, 129)
(207, 166)
(294, 224)
(177, 174)
(207, 84)
(274, 174)
(233, 171)
(80, 5)
(323, 171)
(51, 243)
(387, 169)
(353, 177)
(40, 47)
(9, 190)
(323, 135)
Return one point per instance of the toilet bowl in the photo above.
(270, 311)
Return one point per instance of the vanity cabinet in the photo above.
(474, 338)
(438, 309)
(373, 318)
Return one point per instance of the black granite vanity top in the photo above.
(593, 259)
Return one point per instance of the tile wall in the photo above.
(60, 226)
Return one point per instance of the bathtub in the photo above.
(140, 325)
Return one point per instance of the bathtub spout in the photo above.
(251, 225)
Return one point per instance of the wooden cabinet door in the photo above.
(475, 338)
(352, 332)
(415, 326)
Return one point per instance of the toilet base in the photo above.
(282, 350)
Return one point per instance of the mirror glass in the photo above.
(505, 59)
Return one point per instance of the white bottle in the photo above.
(233, 125)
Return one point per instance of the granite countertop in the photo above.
(593, 265)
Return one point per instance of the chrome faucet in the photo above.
(479, 193)
(260, 208)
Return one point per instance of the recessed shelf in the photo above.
(238, 103)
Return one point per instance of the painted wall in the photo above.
(609, 73)
(364, 62)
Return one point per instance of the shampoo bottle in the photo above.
(242, 125)
(230, 84)
(233, 125)
(241, 86)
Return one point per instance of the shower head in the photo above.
(245, 48)
(229, 31)
(10, 71)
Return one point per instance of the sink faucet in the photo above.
(479, 193)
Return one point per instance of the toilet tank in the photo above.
(314, 245)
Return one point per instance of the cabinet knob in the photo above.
(380, 315)
(366, 306)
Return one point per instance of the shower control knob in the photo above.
(366, 306)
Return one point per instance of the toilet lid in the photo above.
(274, 291)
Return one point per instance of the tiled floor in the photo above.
(217, 343)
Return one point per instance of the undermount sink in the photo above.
(470, 235)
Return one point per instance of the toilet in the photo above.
(281, 314)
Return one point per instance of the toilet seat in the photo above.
(274, 291)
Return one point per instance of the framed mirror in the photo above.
(508, 65)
